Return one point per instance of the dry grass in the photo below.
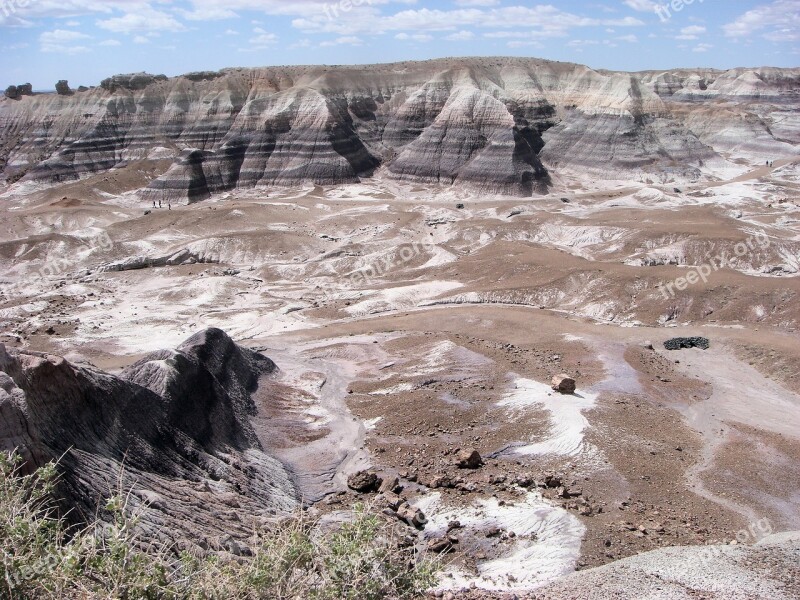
(363, 558)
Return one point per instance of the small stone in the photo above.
(364, 482)
(564, 384)
(469, 459)
(412, 515)
(442, 545)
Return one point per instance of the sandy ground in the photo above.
(406, 328)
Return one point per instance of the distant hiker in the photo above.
(170, 205)
(154, 203)
(159, 204)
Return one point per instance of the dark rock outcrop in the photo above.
(364, 482)
(690, 342)
(15, 92)
(62, 88)
(177, 421)
(564, 384)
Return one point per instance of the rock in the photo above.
(648, 345)
(412, 515)
(486, 123)
(690, 342)
(564, 384)
(12, 92)
(439, 481)
(392, 500)
(493, 532)
(459, 206)
(524, 481)
(26, 89)
(175, 421)
(364, 482)
(442, 545)
(235, 547)
(469, 459)
(553, 481)
(390, 484)
(62, 88)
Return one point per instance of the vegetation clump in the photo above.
(363, 558)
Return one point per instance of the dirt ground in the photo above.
(407, 329)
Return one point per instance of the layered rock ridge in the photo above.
(174, 428)
(502, 125)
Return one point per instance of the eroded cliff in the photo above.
(501, 125)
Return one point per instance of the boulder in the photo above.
(12, 92)
(564, 384)
(364, 482)
(688, 342)
(63, 89)
(469, 459)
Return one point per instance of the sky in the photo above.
(85, 41)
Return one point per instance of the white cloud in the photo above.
(542, 17)
(642, 5)
(417, 37)
(140, 39)
(525, 44)
(702, 48)
(60, 41)
(20, 13)
(778, 21)
(691, 33)
(263, 38)
(144, 19)
(461, 36)
(348, 40)
(110, 43)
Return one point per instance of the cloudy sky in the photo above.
(86, 40)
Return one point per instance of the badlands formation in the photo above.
(257, 289)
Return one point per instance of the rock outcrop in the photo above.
(691, 342)
(499, 125)
(62, 88)
(563, 384)
(174, 428)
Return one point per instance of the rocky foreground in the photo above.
(173, 429)
(499, 125)
(176, 428)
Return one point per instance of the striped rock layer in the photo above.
(501, 125)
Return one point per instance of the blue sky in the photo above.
(86, 40)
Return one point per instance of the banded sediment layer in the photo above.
(500, 125)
